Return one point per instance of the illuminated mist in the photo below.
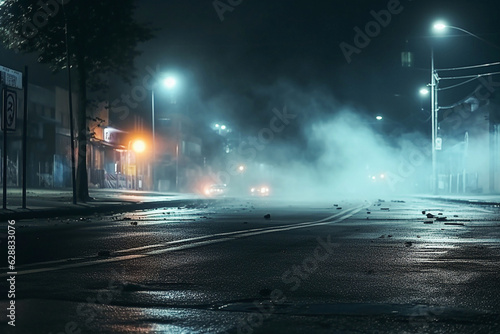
(326, 151)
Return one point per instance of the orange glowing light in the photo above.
(139, 146)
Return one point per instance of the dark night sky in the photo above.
(266, 54)
(261, 44)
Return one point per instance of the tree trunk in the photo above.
(82, 186)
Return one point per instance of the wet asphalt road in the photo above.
(323, 267)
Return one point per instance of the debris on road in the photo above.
(408, 243)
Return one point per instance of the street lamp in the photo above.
(441, 26)
(169, 82)
(137, 146)
(220, 127)
(424, 91)
(434, 119)
(379, 118)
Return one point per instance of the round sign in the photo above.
(11, 110)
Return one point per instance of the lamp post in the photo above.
(434, 119)
(169, 83)
(440, 27)
(153, 153)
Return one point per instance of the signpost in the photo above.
(11, 78)
(14, 79)
(9, 107)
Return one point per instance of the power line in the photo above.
(460, 84)
(467, 67)
(475, 76)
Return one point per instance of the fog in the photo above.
(310, 146)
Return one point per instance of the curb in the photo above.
(90, 210)
(458, 200)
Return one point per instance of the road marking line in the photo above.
(338, 217)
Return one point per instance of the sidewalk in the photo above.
(466, 199)
(45, 203)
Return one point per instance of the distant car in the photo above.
(216, 190)
(377, 177)
(260, 191)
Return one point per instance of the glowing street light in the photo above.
(379, 118)
(139, 146)
(220, 127)
(424, 91)
(170, 82)
(439, 26)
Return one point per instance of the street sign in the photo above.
(439, 143)
(11, 78)
(9, 107)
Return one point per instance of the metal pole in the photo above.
(433, 123)
(154, 139)
(25, 132)
(177, 155)
(4, 165)
(70, 101)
